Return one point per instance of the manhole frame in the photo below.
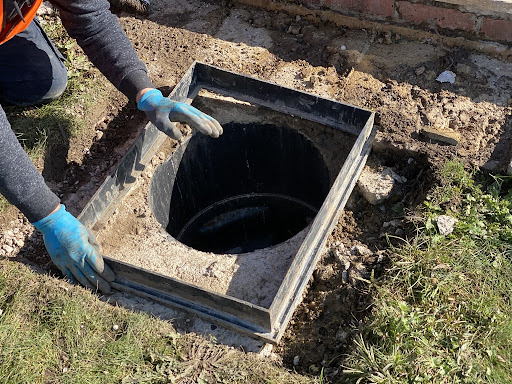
(267, 324)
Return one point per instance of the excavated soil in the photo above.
(388, 74)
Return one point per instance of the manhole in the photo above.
(254, 187)
(268, 189)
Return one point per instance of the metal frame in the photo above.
(268, 324)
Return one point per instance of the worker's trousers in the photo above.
(32, 70)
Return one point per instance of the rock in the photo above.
(313, 80)
(419, 71)
(393, 223)
(19, 243)
(296, 360)
(381, 256)
(344, 276)
(342, 335)
(99, 135)
(360, 250)
(7, 248)
(294, 29)
(445, 224)
(446, 77)
(388, 38)
(377, 186)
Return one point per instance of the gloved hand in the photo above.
(162, 110)
(74, 250)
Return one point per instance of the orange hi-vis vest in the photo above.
(15, 16)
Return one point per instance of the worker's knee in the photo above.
(32, 70)
(58, 86)
(27, 91)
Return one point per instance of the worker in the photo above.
(32, 71)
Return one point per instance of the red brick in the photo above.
(443, 17)
(497, 29)
(383, 8)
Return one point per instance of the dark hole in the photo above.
(254, 187)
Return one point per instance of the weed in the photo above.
(443, 314)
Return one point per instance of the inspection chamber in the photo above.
(254, 188)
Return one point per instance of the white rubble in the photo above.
(445, 224)
(377, 186)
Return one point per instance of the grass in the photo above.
(443, 312)
(52, 332)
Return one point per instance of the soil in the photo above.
(388, 74)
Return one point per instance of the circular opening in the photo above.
(253, 187)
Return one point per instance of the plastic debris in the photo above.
(446, 77)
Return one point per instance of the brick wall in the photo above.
(483, 19)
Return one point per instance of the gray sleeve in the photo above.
(103, 40)
(20, 182)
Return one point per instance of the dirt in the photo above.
(388, 74)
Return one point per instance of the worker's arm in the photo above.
(20, 182)
(103, 40)
(101, 37)
(70, 245)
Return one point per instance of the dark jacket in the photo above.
(101, 37)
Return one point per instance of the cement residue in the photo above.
(134, 236)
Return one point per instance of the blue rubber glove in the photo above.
(161, 111)
(74, 250)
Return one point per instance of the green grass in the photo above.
(51, 332)
(442, 313)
